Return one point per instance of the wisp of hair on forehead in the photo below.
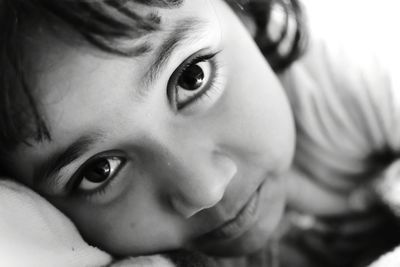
(104, 23)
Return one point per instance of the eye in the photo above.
(194, 76)
(98, 173)
(191, 80)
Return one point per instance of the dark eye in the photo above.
(192, 77)
(191, 81)
(99, 172)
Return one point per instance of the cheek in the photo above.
(259, 125)
(255, 113)
(137, 230)
(130, 225)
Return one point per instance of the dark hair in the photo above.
(259, 12)
(102, 23)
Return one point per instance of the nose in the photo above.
(200, 181)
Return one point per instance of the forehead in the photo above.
(54, 57)
(60, 64)
(52, 48)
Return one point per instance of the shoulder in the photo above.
(351, 68)
(345, 90)
(352, 40)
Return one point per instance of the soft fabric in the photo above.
(390, 259)
(34, 233)
(345, 96)
(389, 189)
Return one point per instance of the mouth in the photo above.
(242, 221)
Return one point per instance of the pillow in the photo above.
(34, 233)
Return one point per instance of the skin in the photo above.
(186, 171)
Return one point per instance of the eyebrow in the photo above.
(183, 33)
(60, 159)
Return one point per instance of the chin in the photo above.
(249, 243)
(238, 250)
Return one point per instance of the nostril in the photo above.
(183, 209)
(187, 207)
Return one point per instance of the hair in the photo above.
(101, 24)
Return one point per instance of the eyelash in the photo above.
(74, 183)
(215, 73)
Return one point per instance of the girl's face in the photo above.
(181, 147)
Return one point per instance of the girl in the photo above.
(160, 125)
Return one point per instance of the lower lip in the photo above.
(241, 223)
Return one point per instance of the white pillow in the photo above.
(34, 233)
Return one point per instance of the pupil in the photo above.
(98, 171)
(192, 78)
